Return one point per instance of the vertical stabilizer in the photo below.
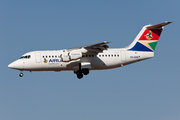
(147, 38)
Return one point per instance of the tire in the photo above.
(80, 75)
(21, 74)
(85, 71)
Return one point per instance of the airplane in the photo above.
(92, 57)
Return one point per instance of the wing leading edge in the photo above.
(92, 49)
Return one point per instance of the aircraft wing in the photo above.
(96, 45)
(91, 49)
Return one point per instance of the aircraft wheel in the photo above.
(85, 71)
(21, 74)
(80, 75)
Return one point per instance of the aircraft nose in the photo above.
(18, 64)
(11, 65)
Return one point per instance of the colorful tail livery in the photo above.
(147, 38)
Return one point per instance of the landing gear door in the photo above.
(38, 57)
(85, 65)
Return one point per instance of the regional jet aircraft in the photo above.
(92, 57)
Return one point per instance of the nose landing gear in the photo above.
(21, 74)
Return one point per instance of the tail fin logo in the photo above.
(148, 40)
(149, 35)
(153, 34)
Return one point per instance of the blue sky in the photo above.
(148, 90)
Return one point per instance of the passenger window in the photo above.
(46, 56)
(55, 56)
(52, 56)
(49, 56)
(92, 55)
(114, 55)
(118, 55)
(109, 55)
(106, 55)
(102, 55)
(43, 56)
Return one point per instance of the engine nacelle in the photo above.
(68, 56)
(65, 57)
(75, 55)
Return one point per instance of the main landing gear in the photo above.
(21, 74)
(80, 72)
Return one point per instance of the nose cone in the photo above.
(18, 64)
(11, 65)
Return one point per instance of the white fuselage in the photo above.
(51, 60)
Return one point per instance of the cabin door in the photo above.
(123, 56)
(38, 57)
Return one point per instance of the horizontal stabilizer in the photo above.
(160, 25)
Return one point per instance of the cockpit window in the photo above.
(25, 57)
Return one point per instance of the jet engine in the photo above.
(73, 55)
(65, 57)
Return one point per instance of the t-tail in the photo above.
(147, 38)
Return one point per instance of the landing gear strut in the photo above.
(80, 72)
(20, 74)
